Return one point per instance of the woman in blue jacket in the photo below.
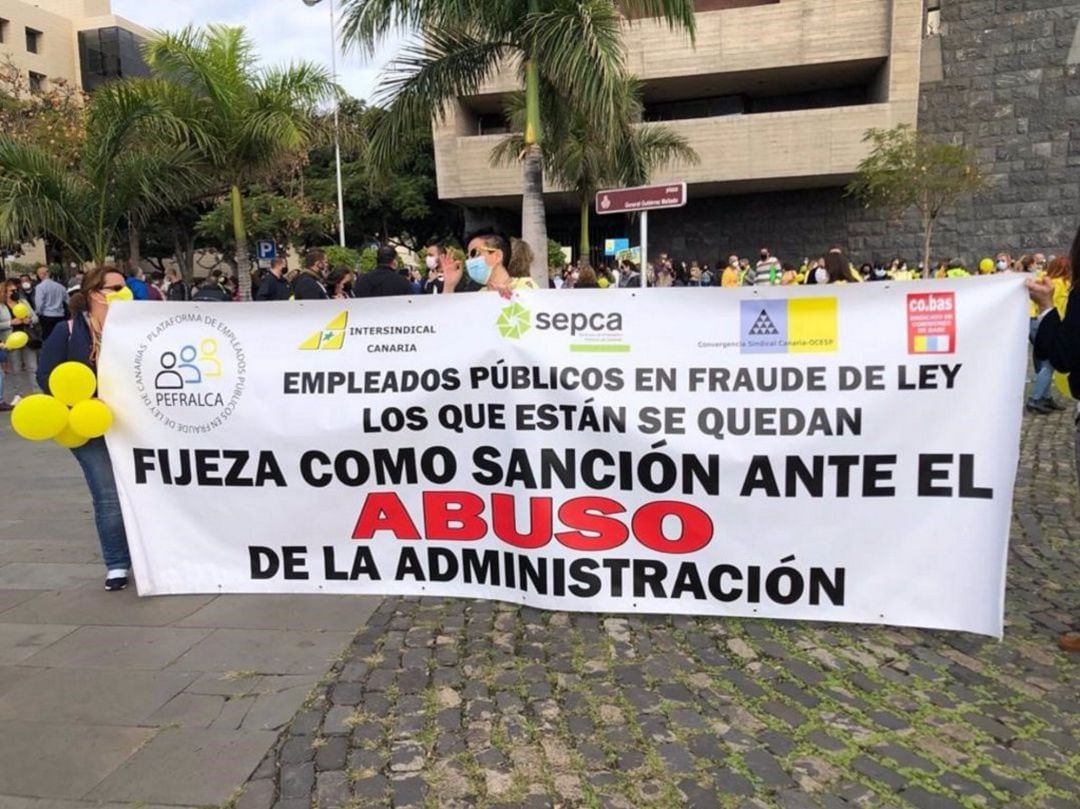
(81, 342)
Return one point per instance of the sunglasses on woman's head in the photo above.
(476, 251)
(114, 288)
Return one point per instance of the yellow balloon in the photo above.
(39, 417)
(20, 310)
(17, 340)
(91, 419)
(72, 382)
(70, 439)
(1061, 382)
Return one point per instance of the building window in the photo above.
(33, 40)
(933, 18)
(3, 30)
(37, 83)
(109, 53)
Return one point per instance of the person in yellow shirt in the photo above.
(731, 277)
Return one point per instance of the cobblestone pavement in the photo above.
(451, 703)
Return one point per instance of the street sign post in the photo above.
(641, 200)
(265, 250)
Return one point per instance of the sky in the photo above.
(283, 30)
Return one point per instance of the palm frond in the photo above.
(430, 75)
(366, 22)
(676, 13)
(214, 60)
(648, 148)
(578, 48)
(40, 196)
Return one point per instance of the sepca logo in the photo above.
(580, 322)
(331, 338)
(514, 320)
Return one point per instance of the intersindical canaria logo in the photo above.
(332, 338)
(514, 320)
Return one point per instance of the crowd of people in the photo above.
(765, 269)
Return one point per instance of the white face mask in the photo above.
(432, 262)
(1002, 266)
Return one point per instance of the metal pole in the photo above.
(644, 249)
(337, 130)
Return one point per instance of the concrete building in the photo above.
(776, 98)
(79, 42)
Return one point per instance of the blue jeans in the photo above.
(93, 457)
(1044, 371)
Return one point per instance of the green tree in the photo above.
(584, 155)
(907, 169)
(574, 46)
(287, 221)
(132, 162)
(54, 120)
(389, 201)
(255, 120)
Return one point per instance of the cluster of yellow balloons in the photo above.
(18, 339)
(70, 417)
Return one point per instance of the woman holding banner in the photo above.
(80, 342)
(1057, 341)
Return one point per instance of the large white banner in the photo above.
(830, 453)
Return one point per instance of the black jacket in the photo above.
(177, 291)
(307, 287)
(1058, 341)
(72, 343)
(211, 292)
(380, 282)
(273, 288)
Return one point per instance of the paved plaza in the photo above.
(107, 700)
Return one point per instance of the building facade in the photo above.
(776, 98)
(79, 42)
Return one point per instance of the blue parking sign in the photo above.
(265, 250)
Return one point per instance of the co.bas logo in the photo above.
(190, 372)
(588, 331)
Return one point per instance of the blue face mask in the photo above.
(478, 270)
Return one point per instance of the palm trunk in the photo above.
(533, 221)
(928, 234)
(583, 246)
(184, 253)
(243, 260)
(134, 253)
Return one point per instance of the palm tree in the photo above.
(138, 158)
(255, 118)
(574, 46)
(584, 156)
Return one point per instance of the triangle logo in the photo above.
(764, 326)
(331, 338)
